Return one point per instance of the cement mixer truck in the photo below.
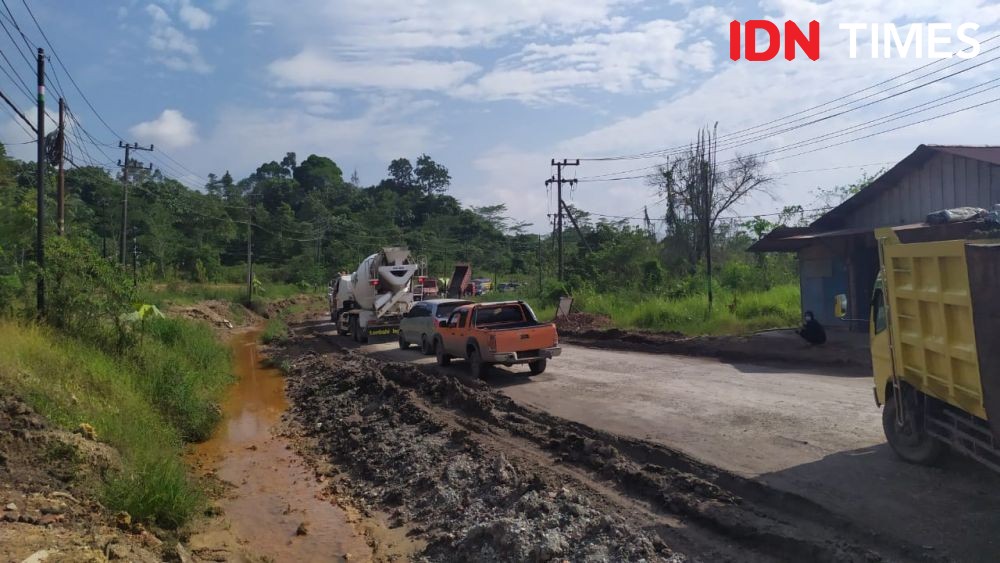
(372, 300)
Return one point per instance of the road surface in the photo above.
(806, 432)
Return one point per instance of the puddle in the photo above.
(274, 491)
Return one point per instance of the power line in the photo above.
(753, 130)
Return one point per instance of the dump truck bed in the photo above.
(945, 315)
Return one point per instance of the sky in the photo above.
(495, 90)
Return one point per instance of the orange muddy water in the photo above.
(274, 491)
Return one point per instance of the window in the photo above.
(499, 315)
(878, 311)
(454, 320)
(446, 309)
(462, 316)
(418, 311)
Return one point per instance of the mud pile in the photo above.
(480, 477)
(469, 498)
(219, 314)
(47, 506)
(578, 322)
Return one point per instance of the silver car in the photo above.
(420, 324)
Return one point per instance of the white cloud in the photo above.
(312, 69)
(266, 134)
(317, 101)
(171, 46)
(194, 17)
(171, 130)
(404, 24)
(649, 56)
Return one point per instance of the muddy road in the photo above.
(773, 430)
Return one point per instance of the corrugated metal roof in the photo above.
(786, 239)
(833, 218)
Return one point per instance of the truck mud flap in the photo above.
(983, 260)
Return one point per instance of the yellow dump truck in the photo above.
(935, 340)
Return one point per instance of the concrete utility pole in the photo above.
(125, 168)
(40, 185)
(558, 181)
(61, 186)
(539, 264)
(249, 258)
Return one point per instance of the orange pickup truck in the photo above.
(496, 333)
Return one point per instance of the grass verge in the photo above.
(146, 404)
(733, 312)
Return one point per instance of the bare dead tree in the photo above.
(698, 191)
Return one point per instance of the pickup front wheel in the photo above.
(476, 366)
(537, 366)
(442, 358)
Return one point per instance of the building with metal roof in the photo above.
(838, 253)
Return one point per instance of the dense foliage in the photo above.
(307, 222)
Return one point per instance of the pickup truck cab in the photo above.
(496, 333)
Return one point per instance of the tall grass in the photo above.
(145, 404)
(184, 293)
(732, 312)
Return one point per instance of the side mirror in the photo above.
(840, 306)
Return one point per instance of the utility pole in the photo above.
(61, 186)
(249, 258)
(539, 264)
(709, 194)
(125, 168)
(558, 181)
(40, 185)
(135, 259)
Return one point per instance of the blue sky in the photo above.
(491, 89)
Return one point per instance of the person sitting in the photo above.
(811, 330)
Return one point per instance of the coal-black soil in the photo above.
(481, 478)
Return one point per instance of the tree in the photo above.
(401, 172)
(432, 177)
(318, 173)
(700, 191)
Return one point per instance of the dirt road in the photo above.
(815, 435)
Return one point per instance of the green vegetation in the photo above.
(275, 331)
(144, 403)
(734, 313)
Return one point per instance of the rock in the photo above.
(183, 555)
(301, 530)
(40, 555)
(53, 508)
(123, 520)
(10, 506)
(9, 517)
(120, 551)
(49, 519)
(87, 431)
(151, 541)
(64, 495)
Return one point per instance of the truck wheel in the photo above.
(403, 344)
(426, 348)
(354, 329)
(477, 368)
(442, 358)
(910, 440)
(537, 366)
